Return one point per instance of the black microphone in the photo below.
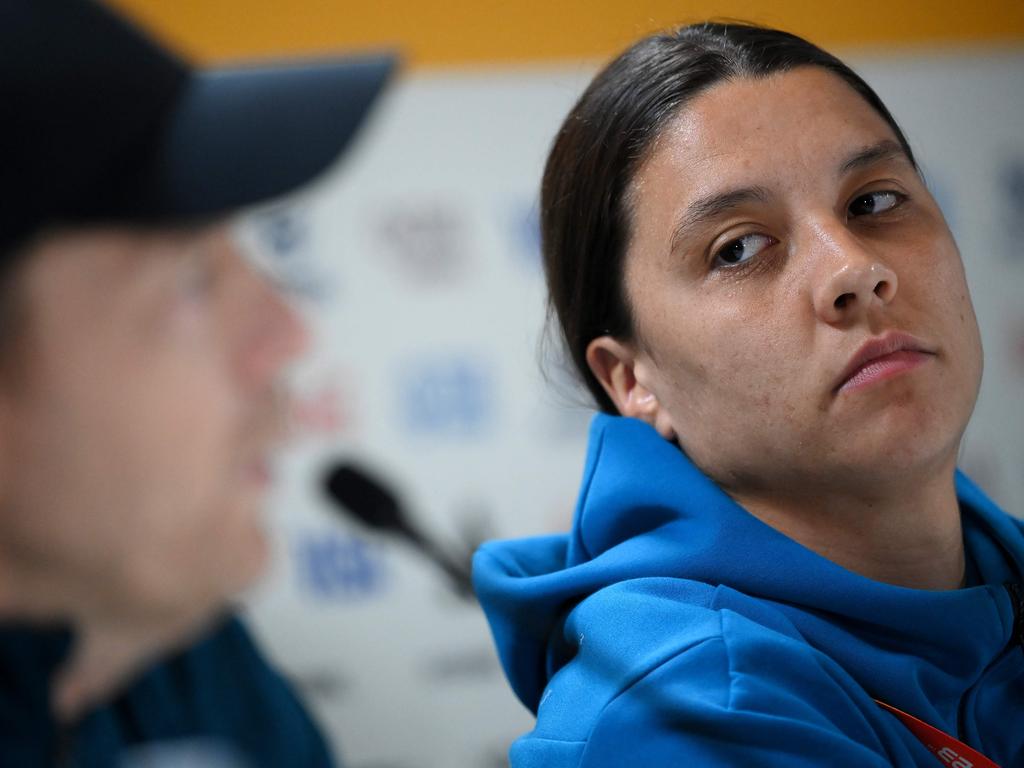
(368, 500)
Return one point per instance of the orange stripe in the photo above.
(453, 32)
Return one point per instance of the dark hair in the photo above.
(12, 308)
(13, 304)
(585, 216)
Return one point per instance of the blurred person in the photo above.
(774, 560)
(139, 396)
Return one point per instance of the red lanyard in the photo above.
(949, 751)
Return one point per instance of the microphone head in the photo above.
(364, 497)
(369, 501)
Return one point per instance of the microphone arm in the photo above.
(365, 498)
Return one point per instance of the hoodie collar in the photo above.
(645, 510)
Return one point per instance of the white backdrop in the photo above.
(417, 260)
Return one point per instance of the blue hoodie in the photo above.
(672, 628)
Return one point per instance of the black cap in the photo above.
(100, 123)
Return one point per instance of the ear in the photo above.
(617, 367)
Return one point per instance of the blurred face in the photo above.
(136, 434)
(802, 319)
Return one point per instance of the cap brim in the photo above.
(242, 136)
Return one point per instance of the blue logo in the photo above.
(524, 233)
(337, 566)
(1012, 181)
(285, 249)
(447, 396)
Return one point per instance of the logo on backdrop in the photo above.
(333, 565)
(283, 246)
(1011, 182)
(322, 409)
(446, 396)
(428, 240)
(523, 226)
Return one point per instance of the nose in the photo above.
(852, 282)
(278, 334)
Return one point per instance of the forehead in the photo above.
(775, 128)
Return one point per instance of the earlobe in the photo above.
(647, 408)
(614, 365)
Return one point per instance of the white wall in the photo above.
(418, 260)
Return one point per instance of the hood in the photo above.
(645, 510)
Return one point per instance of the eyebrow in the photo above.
(885, 150)
(712, 206)
(707, 208)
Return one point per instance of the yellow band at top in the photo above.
(459, 32)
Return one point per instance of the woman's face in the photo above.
(777, 229)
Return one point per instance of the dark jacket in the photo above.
(216, 704)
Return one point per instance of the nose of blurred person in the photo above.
(276, 334)
(850, 278)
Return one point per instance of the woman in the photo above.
(772, 545)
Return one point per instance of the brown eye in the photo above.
(742, 249)
(874, 203)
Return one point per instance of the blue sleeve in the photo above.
(695, 710)
(655, 684)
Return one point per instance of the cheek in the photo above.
(152, 483)
(962, 343)
(728, 359)
(196, 530)
(203, 433)
(185, 440)
(938, 290)
(734, 377)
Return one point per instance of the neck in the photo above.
(110, 646)
(27, 596)
(906, 539)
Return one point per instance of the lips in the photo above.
(882, 358)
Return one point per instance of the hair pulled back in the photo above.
(585, 216)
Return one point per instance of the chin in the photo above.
(902, 451)
(250, 557)
(238, 563)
